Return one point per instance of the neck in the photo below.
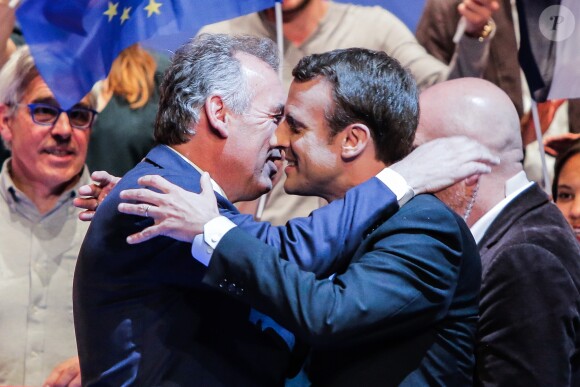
(43, 196)
(300, 24)
(492, 191)
(355, 173)
(207, 152)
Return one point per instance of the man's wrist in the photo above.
(484, 33)
(213, 231)
(397, 184)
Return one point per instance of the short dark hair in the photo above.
(204, 66)
(561, 160)
(369, 87)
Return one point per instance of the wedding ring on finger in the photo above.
(147, 211)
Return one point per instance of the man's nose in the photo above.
(281, 136)
(62, 127)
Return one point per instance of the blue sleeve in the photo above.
(325, 241)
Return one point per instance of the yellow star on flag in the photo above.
(111, 10)
(125, 15)
(152, 8)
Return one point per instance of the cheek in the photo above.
(564, 208)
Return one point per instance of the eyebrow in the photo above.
(46, 100)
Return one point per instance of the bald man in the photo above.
(529, 327)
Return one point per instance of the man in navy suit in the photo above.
(402, 309)
(142, 315)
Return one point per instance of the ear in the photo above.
(217, 115)
(5, 129)
(355, 139)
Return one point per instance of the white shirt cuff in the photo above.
(397, 184)
(213, 231)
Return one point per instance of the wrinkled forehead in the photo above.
(39, 92)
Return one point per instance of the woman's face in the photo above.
(568, 193)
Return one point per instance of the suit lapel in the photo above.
(526, 201)
(166, 158)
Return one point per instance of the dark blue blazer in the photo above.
(404, 311)
(142, 316)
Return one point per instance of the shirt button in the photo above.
(214, 238)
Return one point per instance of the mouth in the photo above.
(59, 151)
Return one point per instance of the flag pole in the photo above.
(280, 42)
(539, 137)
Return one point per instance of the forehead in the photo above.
(313, 97)
(38, 91)
(572, 167)
(262, 80)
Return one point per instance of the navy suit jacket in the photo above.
(404, 311)
(142, 315)
(529, 329)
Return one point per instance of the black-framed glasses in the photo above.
(79, 117)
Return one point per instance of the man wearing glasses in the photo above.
(40, 235)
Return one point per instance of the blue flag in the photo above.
(74, 42)
(408, 11)
(550, 47)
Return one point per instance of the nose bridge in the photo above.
(62, 125)
(575, 210)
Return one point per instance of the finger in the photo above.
(551, 151)
(156, 181)
(474, 16)
(90, 190)
(104, 178)
(144, 235)
(141, 195)
(471, 169)
(85, 204)
(139, 209)
(86, 216)
(53, 377)
(472, 180)
(76, 382)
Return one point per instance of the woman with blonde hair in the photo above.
(123, 133)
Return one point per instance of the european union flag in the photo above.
(74, 42)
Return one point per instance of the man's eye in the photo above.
(278, 118)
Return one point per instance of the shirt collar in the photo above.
(513, 187)
(17, 201)
(214, 184)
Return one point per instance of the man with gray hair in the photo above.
(40, 235)
(141, 313)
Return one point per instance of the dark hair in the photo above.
(372, 88)
(206, 66)
(561, 160)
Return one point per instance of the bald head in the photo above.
(479, 110)
(474, 108)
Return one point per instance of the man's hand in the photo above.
(546, 111)
(95, 193)
(177, 213)
(66, 374)
(443, 162)
(477, 13)
(554, 145)
(7, 18)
